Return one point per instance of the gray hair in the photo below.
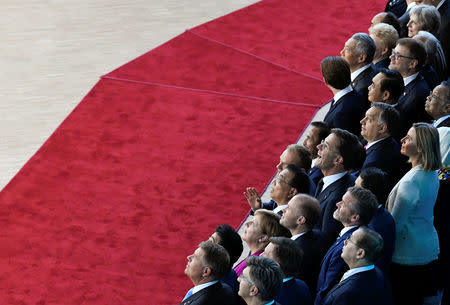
(266, 275)
(364, 205)
(386, 33)
(428, 17)
(435, 52)
(365, 45)
(371, 242)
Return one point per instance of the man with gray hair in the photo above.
(260, 282)
(356, 209)
(359, 51)
(206, 267)
(363, 283)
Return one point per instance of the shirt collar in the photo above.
(287, 279)
(346, 229)
(203, 286)
(270, 303)
(313, 162)
(297, 235)
(355, 74)
(411, 5)
(441, 119)
(332, 178)
(440, 4)
(375, 142)
(410, 78)
(356, 270)
(279, 208)
(343, 92)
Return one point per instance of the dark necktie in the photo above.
(319, 188)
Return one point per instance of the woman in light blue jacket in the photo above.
(411, 203)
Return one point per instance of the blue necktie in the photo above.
(188, 294)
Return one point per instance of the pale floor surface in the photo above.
(54, 51)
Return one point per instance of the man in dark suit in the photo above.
(376, 181)
(358, 51)
(260, 282)
(363, 283)
(317, 132)
(387, 87)
(334, 159)
(348, 105)
(300, 217)
(382, 150)
(288, 255)
(357, 208)
(408, 58)
(398, 7)
(205, 267)
(438, 105)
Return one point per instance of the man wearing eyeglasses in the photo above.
(206, 267)
(356, 209)
(363, 283)
(260, 282)
(408, 58)
(438, 105)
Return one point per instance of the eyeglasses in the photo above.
(397, 55)
(349, 240)
(242, 277)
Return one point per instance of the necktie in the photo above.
(319, 188)
(332, 103)
(188, 294)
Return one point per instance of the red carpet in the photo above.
(143, 170)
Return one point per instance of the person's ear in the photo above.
(254, 291)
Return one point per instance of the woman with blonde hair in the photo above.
(411, 203)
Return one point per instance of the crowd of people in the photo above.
(358, 211)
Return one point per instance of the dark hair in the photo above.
(270, 224)
(216, 258)
(231, 241)
(376, 181)
(446, 97)
(389, 116)
(300, 181)
(347, 146)
(391, 19)
(358, 159)
(288, 254)
(371, 242)
(416, 50)
(392, 82)
(364, 205)
(336, 72)
(304, 157)
(365, 45)
(324, 129)
(266, 275)
(309, 208)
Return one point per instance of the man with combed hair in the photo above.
(438, 105)
(359, 51)
(206, 267)
(385, 37)
(408, 58)
(348, 105)
(334, 159)
(356, 209)
(260, 282)
(363, 283)
(317, 132)
(387, 87)
(300, 217)
(378, 128)
(288, 255)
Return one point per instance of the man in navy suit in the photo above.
(358, 52)
(334, 159)
(348, 105)
(382, 150)
(317, 132)
(288, 255)
(205, 267)
(300, 217)
(363, 283)
(357, 208)
(408, 58)
(376, 181)
(438, 105)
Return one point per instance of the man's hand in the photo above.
(253, 198)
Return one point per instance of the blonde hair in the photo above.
(427, 141)
(386, 33)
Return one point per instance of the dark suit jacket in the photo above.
(431, 77)
(383, 223)
(315, 174)
(217, 294)
(404, 19)
(347, 112)
(333, 268)
(314, 246)
(363, 288)
(444, 31)
(386, 156)
(398, 7)
(294, 292)
(382, 64)
(363, 81)
(412, 103)
(328, 199)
